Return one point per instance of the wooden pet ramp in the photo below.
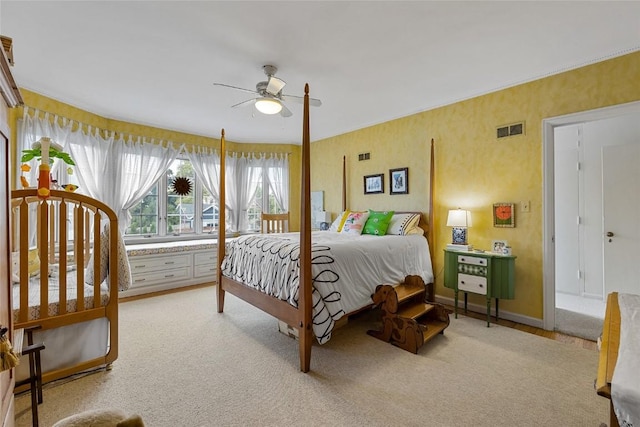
(408, 320)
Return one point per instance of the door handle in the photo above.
(609, 234)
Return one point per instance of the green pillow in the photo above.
(377, 223)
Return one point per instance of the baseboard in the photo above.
(481, 308)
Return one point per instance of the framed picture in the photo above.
(497, 246)
(399, 181)
(374, 184)
(504, 215)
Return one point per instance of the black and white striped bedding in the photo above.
(345, 269)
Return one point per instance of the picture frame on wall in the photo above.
(374, 184)
(399, 181)
(504, 215)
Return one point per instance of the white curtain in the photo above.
(242, 173)
(118, 172)
(278, 176)
(206, 164)
(31, 128)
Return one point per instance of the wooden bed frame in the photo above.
(52, 234)
(609, 353)
(298, 317)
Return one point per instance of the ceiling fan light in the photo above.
(268, 106)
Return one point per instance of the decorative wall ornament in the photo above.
(181, 186)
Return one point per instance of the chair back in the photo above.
(274, 223)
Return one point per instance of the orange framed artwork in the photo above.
(504, 215)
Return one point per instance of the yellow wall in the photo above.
(44, 103)
(473, 168)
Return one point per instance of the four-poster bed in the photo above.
(231, 277)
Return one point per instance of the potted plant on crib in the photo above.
(46, 151)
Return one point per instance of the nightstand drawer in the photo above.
(475, 284)
(473, 260)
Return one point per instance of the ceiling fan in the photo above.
(270, 94)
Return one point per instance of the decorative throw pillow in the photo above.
(377, 223)
(33, 260)
(124, 269)
(103, 253)
(403, 224)
(354, 223)
(337, 224)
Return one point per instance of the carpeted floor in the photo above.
(183, 364)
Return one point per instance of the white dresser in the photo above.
(163, 266)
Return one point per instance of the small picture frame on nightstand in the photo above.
(498, 246)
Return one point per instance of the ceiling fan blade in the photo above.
(285, 112)
(275, 85)
(299, 99)
(244, 103)
(235, 87)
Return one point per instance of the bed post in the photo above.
(344, 183)
(304, 303)
(221, 223)
(431, 235)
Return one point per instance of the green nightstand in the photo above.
(481, 273)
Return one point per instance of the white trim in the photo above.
(8, 87)
(482, 309)
(548, 246)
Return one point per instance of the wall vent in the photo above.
(510, 130)
(364, 156)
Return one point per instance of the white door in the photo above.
(621, 217)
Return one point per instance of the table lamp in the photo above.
(460, 220)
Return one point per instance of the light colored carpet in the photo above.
(578, 324)
(183, 364)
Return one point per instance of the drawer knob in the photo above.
(140, 266)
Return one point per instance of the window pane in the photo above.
(255, 208)
(180, 208)
(144, 215)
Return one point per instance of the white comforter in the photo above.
(625, 384)
(345, 269)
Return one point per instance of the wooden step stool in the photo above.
(408, 319)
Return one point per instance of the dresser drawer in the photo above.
(475, 284)
(473, 260)
(205, 270)
(160, 276)
(207, 258)
(151, 264)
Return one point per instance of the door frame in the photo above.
(548, 244)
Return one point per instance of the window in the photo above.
(163, 212)
(263, 201)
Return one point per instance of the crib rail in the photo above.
(62, 231)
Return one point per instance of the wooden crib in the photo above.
(53, 243)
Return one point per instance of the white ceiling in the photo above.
(155, 62)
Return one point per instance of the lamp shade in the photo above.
(268, 105)
(459, 218)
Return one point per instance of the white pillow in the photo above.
(336, 225)
(403, 224)
(354, 223)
